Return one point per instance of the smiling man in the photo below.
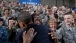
(67, 33)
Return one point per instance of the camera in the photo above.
(13, 23)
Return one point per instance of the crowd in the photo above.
(20, 23)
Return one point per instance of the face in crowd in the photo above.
(37, 20)
(52, 24)
(68, 18)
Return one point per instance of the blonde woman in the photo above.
(53, 26)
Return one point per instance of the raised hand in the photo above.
(28, 37)
(53, 35)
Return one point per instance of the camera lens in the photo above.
(13, 23)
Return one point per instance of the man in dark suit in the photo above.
(25, 22)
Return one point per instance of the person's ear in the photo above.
(23, 24)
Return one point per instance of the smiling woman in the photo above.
(52, 24)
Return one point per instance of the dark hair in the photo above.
(24, 17)
(1, 19)
(12, 18)
(20, 10)
(68, 13)
(33, 16)
(6, 9)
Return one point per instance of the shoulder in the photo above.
(62, 30)
(2, 29)
(41, 26)
(2, 16)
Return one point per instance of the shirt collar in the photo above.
(68, 28)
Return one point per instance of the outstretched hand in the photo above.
(53, 35)
(28, 37)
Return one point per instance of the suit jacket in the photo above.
(41, 36)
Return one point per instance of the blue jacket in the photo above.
(3, 34)
(41, 36)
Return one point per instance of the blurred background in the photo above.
(68, 3)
